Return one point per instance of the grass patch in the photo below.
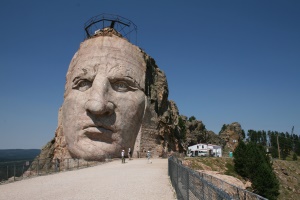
(230, 170)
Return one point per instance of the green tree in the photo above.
(182, 133)
(192, 118)
(297, 147)
(264, 182)
(253, 136)
(295, 156)
(251, 161)
(223, 128)
(273, 143)
(240, 159)
(243, 133)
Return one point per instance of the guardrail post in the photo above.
(177, 167)
(47, 167)
(14, 172)
(38, 166)
(55, 163)
(169, 167)
(23, 170)
(187, 185)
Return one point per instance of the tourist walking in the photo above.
(129, 154)
(57, 162)
(123, 156)
(148, 157)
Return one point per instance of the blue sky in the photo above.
(226, 61)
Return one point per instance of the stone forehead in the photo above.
(112, 48)
(109, 50)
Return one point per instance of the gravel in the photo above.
(136, 179)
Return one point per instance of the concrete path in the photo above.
(133, 180)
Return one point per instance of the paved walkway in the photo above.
(133, 180)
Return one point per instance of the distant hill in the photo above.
(18, 154)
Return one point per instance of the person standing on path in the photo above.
(57, 162)
(123, 156)
(129, 154)
(149, 156)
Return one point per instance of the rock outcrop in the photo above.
(231, 134)
(197, 133)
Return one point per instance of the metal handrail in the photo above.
(18, 170)
(190, 184)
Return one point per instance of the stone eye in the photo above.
(120, 86)
(83, 85)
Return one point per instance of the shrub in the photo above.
(295, 156)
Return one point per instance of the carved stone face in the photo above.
(104, 99)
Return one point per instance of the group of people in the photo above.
(123, 155)
(130, 155)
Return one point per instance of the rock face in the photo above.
(159, 124)
(231, 134)
(196, 133)
(161, 116)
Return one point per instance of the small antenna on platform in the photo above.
(122, 25)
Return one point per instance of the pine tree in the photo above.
(265, 182)
(240, 159)
(251, 161)
(182, 133)
(295, 156)
(223, 128)
(192, 118)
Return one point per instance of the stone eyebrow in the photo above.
(135, 82)
(84, 75)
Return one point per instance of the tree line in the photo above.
(279, 144)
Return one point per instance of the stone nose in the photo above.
(99, 107)
(98, 102)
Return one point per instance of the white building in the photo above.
(205, 150)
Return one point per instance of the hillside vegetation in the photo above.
(287, 172)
